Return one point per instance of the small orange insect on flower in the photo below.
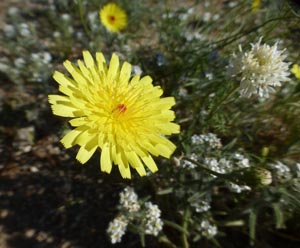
(113, 17)
(124, 116)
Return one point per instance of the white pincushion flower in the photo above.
(260, 70)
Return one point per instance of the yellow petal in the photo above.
(85, 71)
(85, 154)
(149, 147)
(100, 61)
(54, 99)
(64, 110)
(134, 159)
(78, 121)
(149, 162)
(105, 160)
(168, 128)
(88, 59)
(141, 170)
(76, 74)
(147, 80)
(85, 137)
(164, 151)
(125, 172)
(135, 80)
(113, 67)
(125, 74)
(69, 139)
(63, 80)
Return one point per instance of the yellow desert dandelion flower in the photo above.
(296, 70)
(113, 17)
(122, 115)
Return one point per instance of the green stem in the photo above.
(204, 167)
(215, 107)
(175, 226)
(80, 8)
(184, 239)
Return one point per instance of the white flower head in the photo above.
(208, 229)
(153, 223)
(129, 200)
(209, 140)
(260, 70)
(238, 188)
(282, 172)
(117, 228)
(188, 164)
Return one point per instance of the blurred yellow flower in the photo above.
(255, 5)
(122, 115)
(296, 71)
(113, 17)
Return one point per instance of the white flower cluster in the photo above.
(117, 228)
(209, 139)
(238, 188)
(201, 205)
(216, 166)
(153, 222)
(24, 30)
(129, 200)
(238, 161)
(208, 229)
(241, 161)
(260, 70)
(188, 164)
(93, 20)
(42, 57)
(282, 172)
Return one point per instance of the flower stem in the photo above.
(80, 8)
(215, 108)
(184, 239)
(203, 167)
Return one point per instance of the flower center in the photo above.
(119, 110)
(112, 19)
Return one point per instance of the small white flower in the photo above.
(182, 92)
(260, 70)
(282, 172)
(12, 11)
(188, 164)
(117, 228)
(207, 229)
(153, 222)
(211, 140)
(129, 200)
(136, 70)
(93, 18)
(19, 62)
(66, 17)
(214, 165)
(209, 76)
(9, 30)
(206, 16)
(24, 30)
(238, 188)
(57, 34)
(201, 205)
(241, 161)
